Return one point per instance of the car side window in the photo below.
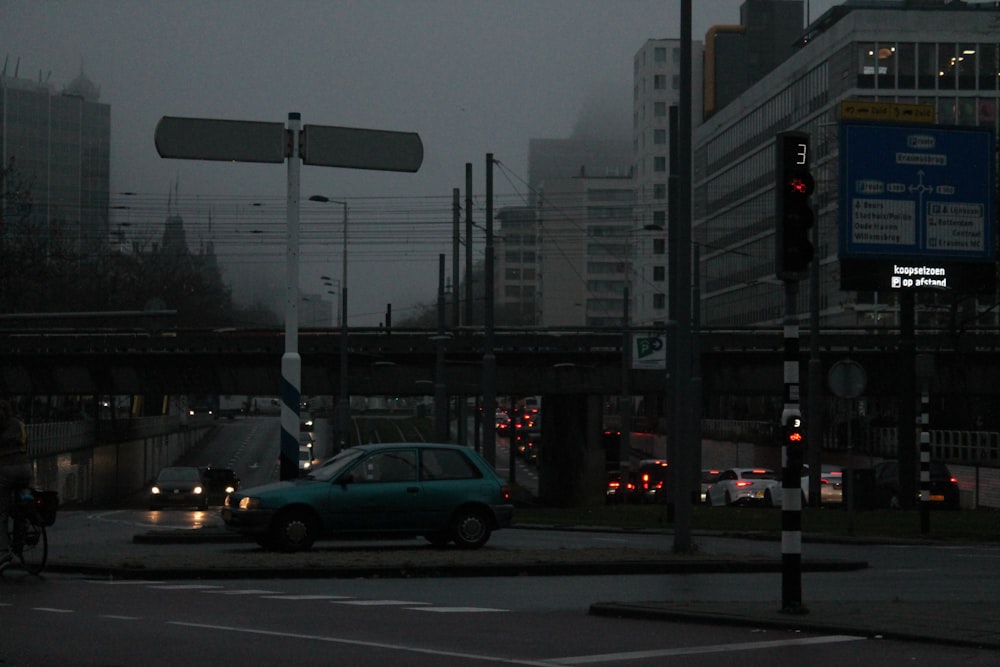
(446, 464)
(394, 466)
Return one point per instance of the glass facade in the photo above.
(733, 206)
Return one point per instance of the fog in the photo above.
(470, 76)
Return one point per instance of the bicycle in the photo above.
(30, 512)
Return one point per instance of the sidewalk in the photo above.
(215, 553)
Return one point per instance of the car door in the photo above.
(377, 493)
(448, 480)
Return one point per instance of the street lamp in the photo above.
(345, 399)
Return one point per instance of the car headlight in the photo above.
(155, 490)
(230, 489)
(249, 503)
(198, 490)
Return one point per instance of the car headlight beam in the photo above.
(249, 503)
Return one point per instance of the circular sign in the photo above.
(847, 379)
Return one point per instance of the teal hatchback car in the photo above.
(445, 493)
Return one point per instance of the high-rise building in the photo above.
(586, 249)
(911, 52)
(57, 145)
(656, 74)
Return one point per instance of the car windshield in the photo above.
(178, 474)
(332, 467)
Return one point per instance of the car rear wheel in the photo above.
(470, 528)
(293, 530)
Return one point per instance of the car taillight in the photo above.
(742, 484)
(505, 491)
(613, 485)
(953, 480)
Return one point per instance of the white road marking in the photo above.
(355, 642)
(54, 610)
(306, 597)
(116, 617)
(247, 591)
(457, 610)
(378, 603)
(185, 587)
(699, 650)
(125, 582)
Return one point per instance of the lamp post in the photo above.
(344, 405)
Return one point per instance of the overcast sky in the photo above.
(470, 76)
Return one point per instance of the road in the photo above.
(62, 620)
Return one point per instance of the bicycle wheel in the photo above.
(30, 545)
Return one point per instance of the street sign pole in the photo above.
(291, 362)
(251, 141)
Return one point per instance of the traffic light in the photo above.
(793, 186)
(794, 433)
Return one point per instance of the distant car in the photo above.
(306, 460)
(305, 421)
(707, 477)
(306, 439)
(439, 491)
(502, 422)
(616, 491)
(178, 486)
(743, 486)
(219, 483)
(831, 491)
(944, 488)
(650, 482)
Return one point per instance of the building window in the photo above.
(660, 163)
(660, 54)
(947, 66)
(660, 109)
(926, 70)
(659, 82)
(659, 136)
(659, 190)
(676, 82)
(512, 274)
(659, 301)
(659, 274)
(659, 246)
(660, 219)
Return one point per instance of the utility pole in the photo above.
(489, 355)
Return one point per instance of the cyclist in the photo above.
(15, 471)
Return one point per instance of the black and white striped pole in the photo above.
(925, 370)
(792, 455)
(793, 254)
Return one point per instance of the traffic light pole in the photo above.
(793, 255)
(793, 442)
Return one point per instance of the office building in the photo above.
(57, 144)
(938, 55)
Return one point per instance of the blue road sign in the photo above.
(920, 194)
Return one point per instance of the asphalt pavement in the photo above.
(212, 552)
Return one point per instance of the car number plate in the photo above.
(937, 498)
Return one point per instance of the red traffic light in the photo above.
(801, 183)
(795, 436)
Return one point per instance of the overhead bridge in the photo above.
(405, 362)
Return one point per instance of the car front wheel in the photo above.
(470, 528)
(293, 530)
